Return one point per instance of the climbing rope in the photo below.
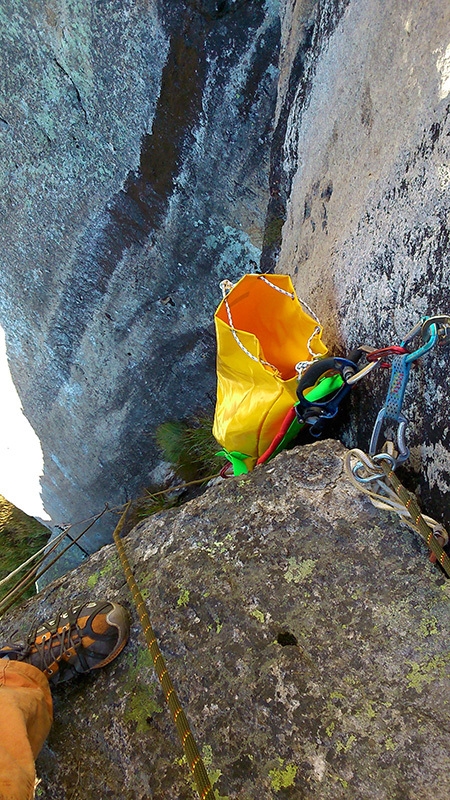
(370, 476)
(413, 509)
(191, 751)
(41, 556)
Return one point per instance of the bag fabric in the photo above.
(262, 333)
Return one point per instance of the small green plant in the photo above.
(272, 232)
(189, 446)
(152, 502)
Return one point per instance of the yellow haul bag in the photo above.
(262, 334)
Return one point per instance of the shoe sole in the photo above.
(119, 618)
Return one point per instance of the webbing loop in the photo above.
(191, 751)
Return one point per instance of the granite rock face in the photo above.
(150, 150)
(134, 169)
(360, 186)
(306, 633)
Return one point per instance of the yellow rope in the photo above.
(188, 742)
(410, 503)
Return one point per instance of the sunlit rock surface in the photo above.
(151, 150)
(360, 177)
(306, 633)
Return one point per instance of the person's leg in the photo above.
(80, 639)
(25, 720)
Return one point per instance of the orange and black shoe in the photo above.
(76, 641)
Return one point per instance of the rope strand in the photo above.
(186, 737)
(410, 503)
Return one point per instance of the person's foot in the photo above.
(76, 641)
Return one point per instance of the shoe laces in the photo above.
(55, 640)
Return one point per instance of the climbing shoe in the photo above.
(76, 641)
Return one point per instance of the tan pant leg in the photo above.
(26, 713)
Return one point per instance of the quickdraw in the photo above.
(392, 409)
(374, 474)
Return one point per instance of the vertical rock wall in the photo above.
(136, 140)
(134, 168)
(360, 185)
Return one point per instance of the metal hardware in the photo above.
(392, 409)
(316, 412)
(443, 323)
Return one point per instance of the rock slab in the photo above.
(306, 633)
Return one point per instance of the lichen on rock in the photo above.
(331, 685)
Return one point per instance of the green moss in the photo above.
(297, 571)
(207, 755)
(145, 592)
(93, 580)
(258, 615)
(282, 777)
(213, 774)
(183, 599)
(389, 744)
(344, 748)
(428, 626)
(421, 675)
(141, 702)
(367, 711)
(112, 565)
(140, 708)
(272, 233)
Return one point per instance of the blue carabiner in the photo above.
(392, 409)
(431, 341)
